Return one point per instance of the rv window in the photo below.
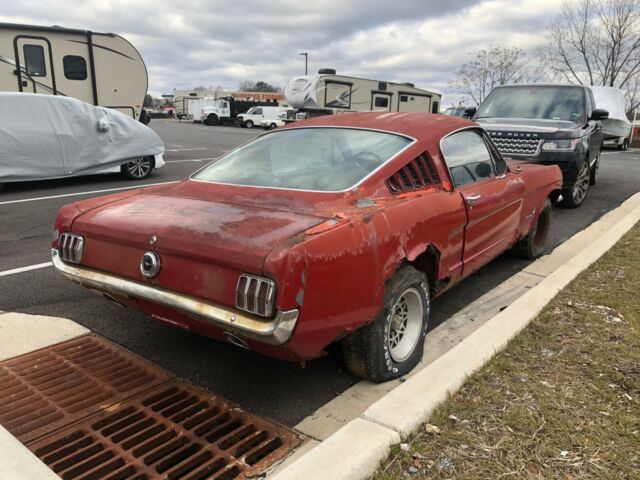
(34, 60)
(434, 107)
(75, 68)
(382, 102)
(403, 98)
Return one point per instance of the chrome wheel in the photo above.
(139, 168)
(406, 323)
(581, 184)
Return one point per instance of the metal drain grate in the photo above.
(49, 388)
(175, 432)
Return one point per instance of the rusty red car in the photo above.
(338, 228)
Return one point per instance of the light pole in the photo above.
(306, 62)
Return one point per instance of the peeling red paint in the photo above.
(329, 253)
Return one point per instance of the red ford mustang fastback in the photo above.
(337, 228)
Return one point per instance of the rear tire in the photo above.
(393, 344)
(532, 246)
(625, 145)
(574, 196)
(213, 120)
(138, 169)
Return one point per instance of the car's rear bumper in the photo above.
(272, 331)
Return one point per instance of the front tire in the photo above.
(393, 344)
(138, 169)
(575, 195)
(532, 246)
(248, 124)
(212, 120)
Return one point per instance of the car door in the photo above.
(492, 196)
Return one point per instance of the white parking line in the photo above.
(9, 202)
(183, 149)
(25, 269)
(191, 160)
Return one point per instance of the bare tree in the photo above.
(488, 69)
(260, 86)
(596, 42)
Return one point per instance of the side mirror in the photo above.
(470, 112)
(599, 114)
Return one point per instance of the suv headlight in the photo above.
(562, 145)
(256, 295)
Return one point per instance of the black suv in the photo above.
(550, 124)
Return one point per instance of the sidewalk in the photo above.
(562, 400)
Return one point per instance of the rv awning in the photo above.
(46, 136)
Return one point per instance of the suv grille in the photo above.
(418, 173)
(70, 247)
(516, 143)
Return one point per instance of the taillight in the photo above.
(70, 247)
(256, 295)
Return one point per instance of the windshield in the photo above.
(251, 110)
(550, 103)
(321, 159)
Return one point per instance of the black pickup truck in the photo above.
(549, 124)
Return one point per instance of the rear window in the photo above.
(318, 159)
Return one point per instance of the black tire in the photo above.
(624, 145)
(138, 169)
(574, 196)
(593, 172)
(213, 120)
(272, 126)
(248, 124)
(532, 246)
(367, 351)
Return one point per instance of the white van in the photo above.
(256, 115)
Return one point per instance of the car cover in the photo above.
(47, 136)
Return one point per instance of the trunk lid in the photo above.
(232, 235)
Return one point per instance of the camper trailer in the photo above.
(101, 69)
(328, 93)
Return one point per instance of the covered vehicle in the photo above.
(45, 137)
(339, 228)
(617, 128)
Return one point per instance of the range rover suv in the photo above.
(549, 124)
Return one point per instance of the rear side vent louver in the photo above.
(418, 173)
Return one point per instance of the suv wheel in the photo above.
(574, 196)
(392, 345)
(593, 173)
(138, 169)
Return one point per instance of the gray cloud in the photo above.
(200, 42)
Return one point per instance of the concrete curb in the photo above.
(18, 463)
(410, 404)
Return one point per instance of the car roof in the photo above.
(414, 125)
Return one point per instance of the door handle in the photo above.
(472, 199)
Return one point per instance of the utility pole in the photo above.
(306, 62)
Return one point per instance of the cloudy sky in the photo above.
(222, 42)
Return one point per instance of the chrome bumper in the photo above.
(273, 331)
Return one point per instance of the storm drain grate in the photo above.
(92, 410)
(55, 386)
(174, 431)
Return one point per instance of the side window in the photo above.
(75, 68)
(382, 102)
(257, 111)
(34, 60)
(467, 157)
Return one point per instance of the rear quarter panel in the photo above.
(337, 276)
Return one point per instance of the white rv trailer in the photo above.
(328, 93)
(98, 68)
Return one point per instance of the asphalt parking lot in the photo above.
(282, 391)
